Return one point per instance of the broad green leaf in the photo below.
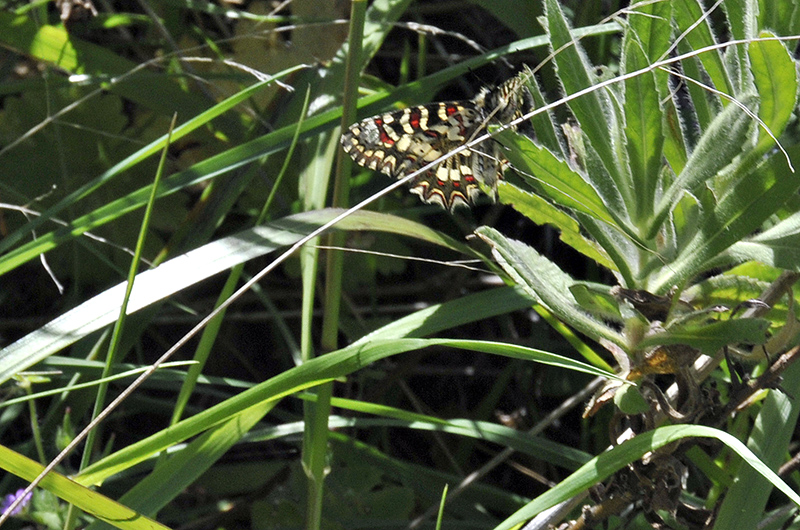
(643, 133)
(645, 42)
(650, 23)
(778, 247)
(690, 14)
(629, 400)
(597, 300)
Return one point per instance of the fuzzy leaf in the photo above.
(542, 212)
(593, 110)
(643, 132)
(721, 142)
(775, 77)
(553, 178)
(546, 283)
(778, 247)
(737, 214)
(712, 337)
(687, 14)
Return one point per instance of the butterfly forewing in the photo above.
(399, 143)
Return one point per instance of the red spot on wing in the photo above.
(386, 139)
(413, 118)
(451, 109)
(384, 136)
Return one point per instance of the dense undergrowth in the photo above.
(614, 336)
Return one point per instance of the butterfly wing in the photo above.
(399, 143)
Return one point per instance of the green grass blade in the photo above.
(604, 465)
(119, 376)
(539, 447)
(312, 373)
(746, 499)
(90, 501)
(119, 324)
(185, 270)
(181, 470)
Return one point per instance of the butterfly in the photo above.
(401, 142)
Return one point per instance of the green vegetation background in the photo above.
(234, 440)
